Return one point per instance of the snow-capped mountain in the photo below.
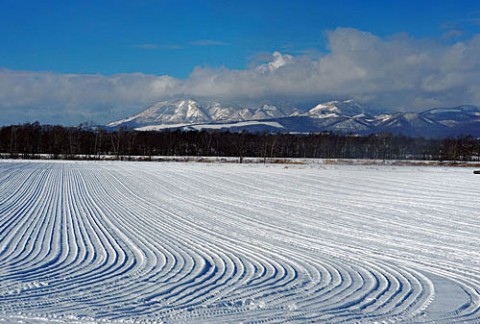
(333, 116)
(453, 116)
(167, 112)
(334, 109)
(436, 122)
(188, 112)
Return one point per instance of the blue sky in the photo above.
(172, 37)
(178, 46)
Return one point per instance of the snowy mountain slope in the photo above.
(453, 116)
(269, 111)
(333, 116)
(411, 124)
(335, 109)
(167, 112)
(194, 112)
(249, 125)
(436, 122)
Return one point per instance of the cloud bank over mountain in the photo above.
(397, 72)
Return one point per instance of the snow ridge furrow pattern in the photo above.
(153, 242)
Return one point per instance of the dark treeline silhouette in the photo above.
(58, 142)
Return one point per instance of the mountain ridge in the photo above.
(332, 116)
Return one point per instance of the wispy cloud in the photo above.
(453, 34)
(474, 21)
(209, 42)
(153, 46)
(197, 43)
(463, 24)
(397, 72)
(148, 46)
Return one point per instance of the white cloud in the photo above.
(199, 43)
(73, 98)
(397, 72)
(209, 42)
(278, 60)
(153, 46)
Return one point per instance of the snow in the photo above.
(190, 112)
(120, 122)
(327, 110)
(335, 109)
(237, 124)
(160, 127)
(209, 126)
(208, 242)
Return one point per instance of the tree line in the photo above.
(33, 140)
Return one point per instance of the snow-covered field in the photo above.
(178, 242)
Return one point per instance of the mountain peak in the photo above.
(190, 111)
(335, 108)
(333, 116)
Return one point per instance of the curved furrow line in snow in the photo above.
(116, 260)
(183, 268)
(180, 243)
(88, 275)
(87, 249)
(30, 275)
(469, 307)
(23, 238)
(363, 292)
(170, 229)
(50, 252)
(340, 208)
(29, 253)
(383, 301)
(130, 220)
(20, 202)
(408, 291)
(255, 204)
(58, 212)
(12, 183)
(77, 273)
(393, 277)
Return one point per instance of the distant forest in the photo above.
(30, 141)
